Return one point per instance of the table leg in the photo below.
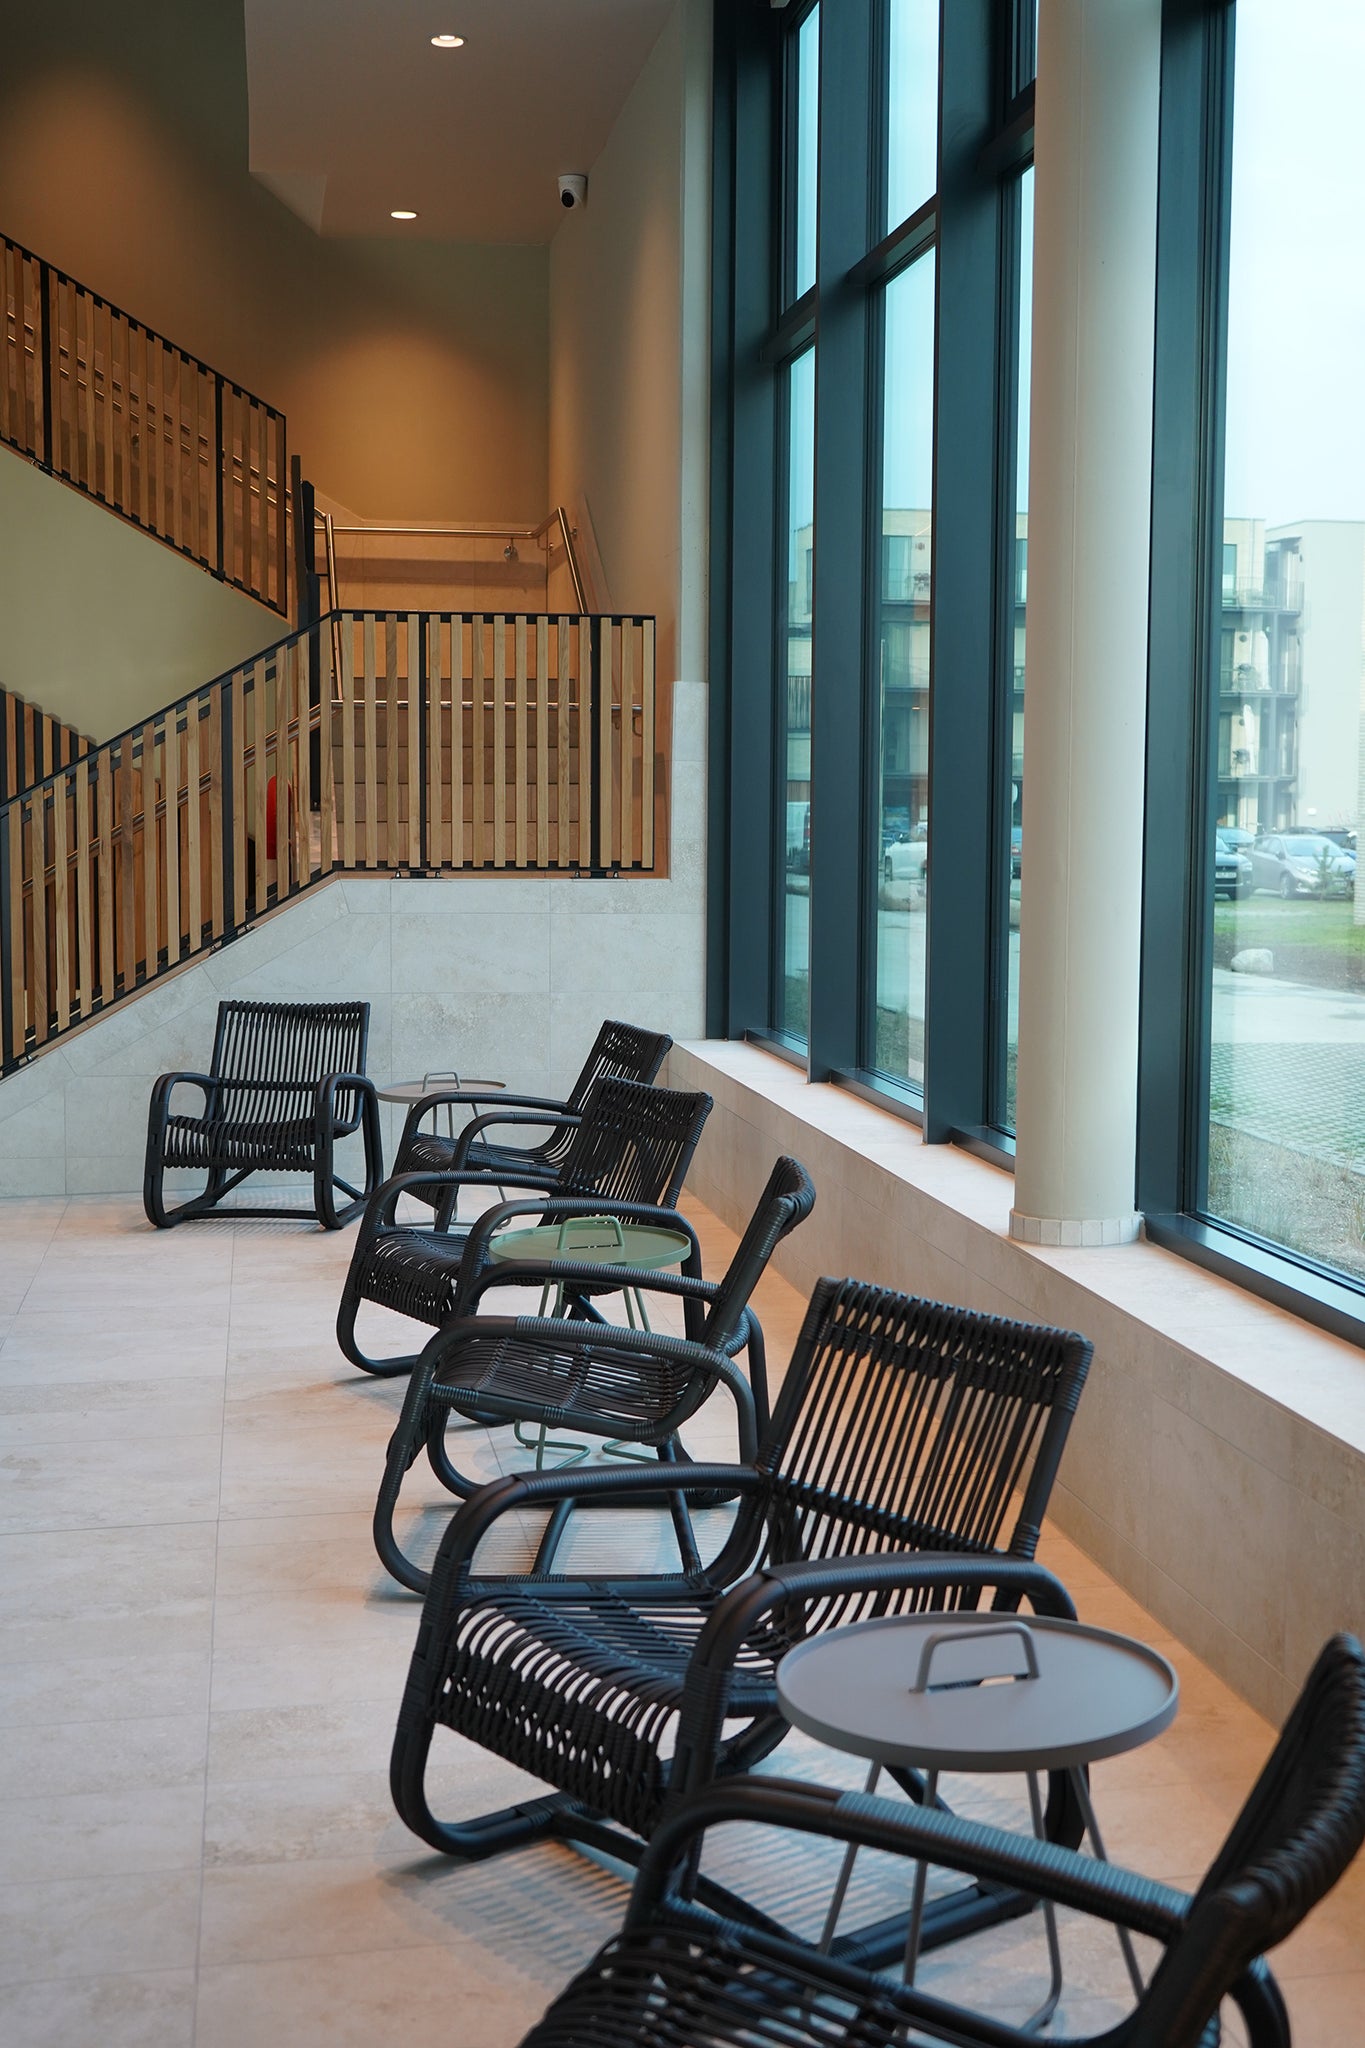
(1092, 1828)
(916, 1927)
(836, 1904)
(1045, 2011)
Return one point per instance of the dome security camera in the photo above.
(573, 190)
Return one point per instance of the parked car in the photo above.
(1302, 863)
(1232, 869)
(905, 859)
(1238, 837)
(798, 837)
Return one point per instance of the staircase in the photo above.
(408, 743)
(95, 398)
(33, 743)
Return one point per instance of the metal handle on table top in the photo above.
(592, 1225)
(1018, 1630)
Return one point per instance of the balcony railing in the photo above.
(96, 398)
(437, 743)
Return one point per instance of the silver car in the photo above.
(1302, 864)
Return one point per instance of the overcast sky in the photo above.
(1296, 310)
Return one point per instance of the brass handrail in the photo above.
(559, 517)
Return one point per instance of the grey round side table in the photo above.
(413, 1091)
(983, 1693)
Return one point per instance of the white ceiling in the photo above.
(353, 112)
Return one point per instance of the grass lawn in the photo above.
(1312, 940)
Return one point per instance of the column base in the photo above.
(1087, 1231)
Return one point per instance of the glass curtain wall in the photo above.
(903, 670)
(1284, 1115)
(792, 980)
(794, 607)
(1016, 611)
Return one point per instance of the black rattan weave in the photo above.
(684, 1974)
(904, 1430)
(620, 1052)
(628, 1154)
(631, 1385)
(286, 1080)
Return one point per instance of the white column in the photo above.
(1090, 421)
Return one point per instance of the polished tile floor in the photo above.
(201, 1663)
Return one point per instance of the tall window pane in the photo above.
(912, 108)
(903, 671)
(1016, 614)
(1286, 1109)
(794, 670)
(805, 168)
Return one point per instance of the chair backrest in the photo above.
(1296, 1834)
(620, 1052)
(634, 1143)
(289, 1041)
(786, 1201)
(907, 1425)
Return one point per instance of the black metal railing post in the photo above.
(229, 812)
(46, 331)
(218, 463)
(10, 1053)
(595, 862)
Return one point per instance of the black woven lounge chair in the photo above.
(685, 1970)
(903, 1428)
(629, 1151)
(285, 1082)
(630, 1386)
(620, 1052)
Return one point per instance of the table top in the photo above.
(413, 1091)
(907, 1690)
(599, 1240)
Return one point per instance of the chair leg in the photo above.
(381, 1368)
(472, 1841)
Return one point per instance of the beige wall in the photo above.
(412, 374)
(99, 624)
(629, 395)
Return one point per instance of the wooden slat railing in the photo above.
(96, 398)
(33, 743)
(443, 743)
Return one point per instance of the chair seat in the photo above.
(425, 1149)
(415, 1272)
(673, 1989)
(230, 1142)
(580, 1687)
(618, 1394)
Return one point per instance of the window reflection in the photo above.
(807, 148)
(1286, 1109)
(912, 108)
(902, 846)
(1016, 628)
(794, 708)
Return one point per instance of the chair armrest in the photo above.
(204, 1081)
(736, 1616)
(330, 1086)
(384, 1201)
(995, 1855)
(568, 1120)
(486, 1504)
(471, 1097)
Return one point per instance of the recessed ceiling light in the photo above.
(447, 42)
(402, 213)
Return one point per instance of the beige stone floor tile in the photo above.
(87, 1926)
(131, 2009)
(69, 1344)
(61, 1486)
(99, 1412)
(112, 1574)
(424, 1998)
(64, 1758)
(79, 1687)
(102, 1834)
